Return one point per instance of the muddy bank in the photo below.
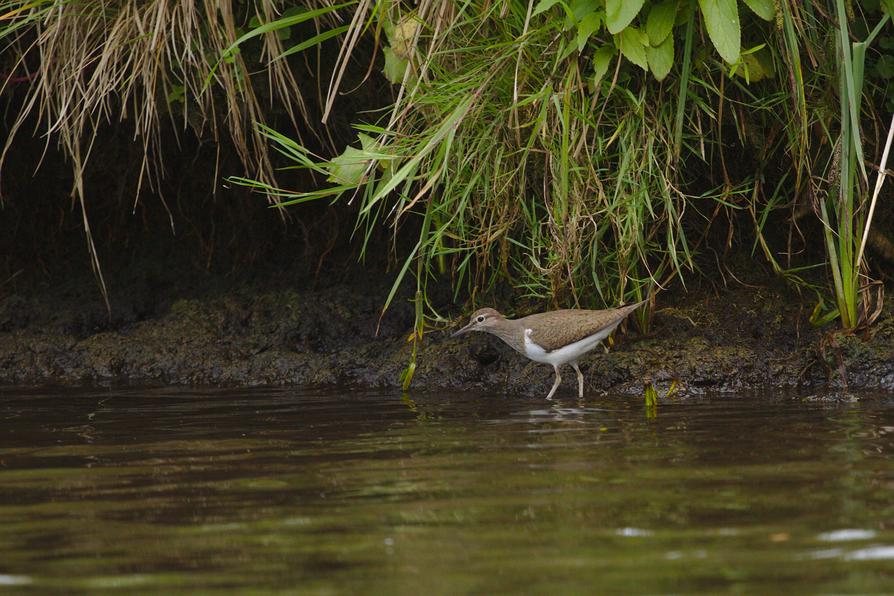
(291, 331)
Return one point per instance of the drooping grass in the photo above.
(94, 64)
(538, 154)
(518, 169)
(525, 167)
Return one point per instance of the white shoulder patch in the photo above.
(532, 350)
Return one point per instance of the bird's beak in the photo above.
(465, 329)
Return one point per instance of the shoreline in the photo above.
(744, 338)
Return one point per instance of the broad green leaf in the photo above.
(722, 22)
(601, 62)
(581, 8)
(545, 5)
(630, 42)
(348, 168)
(177, 93)
(403, 34)
(888, 7)
(369, 144)
(661, 21)
(661, 59)
(884, 67)
(585, 29)
(619, 13)
(395, 66)
(566, 49)
(765, 9)
(757, 67)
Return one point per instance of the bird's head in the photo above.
(482, 319)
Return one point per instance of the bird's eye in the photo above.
(480, 318)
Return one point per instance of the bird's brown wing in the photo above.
(557, 328)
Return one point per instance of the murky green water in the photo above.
(279, 490)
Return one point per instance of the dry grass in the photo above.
(98, 63)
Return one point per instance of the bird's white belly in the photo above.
(565, 354)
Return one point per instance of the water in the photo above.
(280, 490)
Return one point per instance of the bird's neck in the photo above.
(511, 331)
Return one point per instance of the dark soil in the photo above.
(168, 326)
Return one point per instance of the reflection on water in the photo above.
(338, 492)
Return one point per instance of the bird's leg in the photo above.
(556, 384)
(580, 379)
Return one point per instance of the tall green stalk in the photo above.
(844, 232)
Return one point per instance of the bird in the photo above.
(556, 337)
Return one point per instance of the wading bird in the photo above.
(556, 337)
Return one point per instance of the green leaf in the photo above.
(581, 8)
(403, 34)
(348, 168)
(661, 59)
(585, 29)
(722, 22)
(650, 395)
(884, 67)
(545, 5)
(282, 23)
(369, 145)
(765, 9)
(661, 21)
(757, 66)
(601, 62)
(630, 41)
(395, 66)
(888, 6)
(177, 93)
(447, 127)
(684, 10)
(313, 41)
(619, 13)
(227, 54)
(566, 49)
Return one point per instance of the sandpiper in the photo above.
(556, 337)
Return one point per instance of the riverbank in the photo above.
(282, 330)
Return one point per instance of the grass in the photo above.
(575, 156)
(830, 166)
(96, 64)
(846, 230)
(518, 170)
(572, 184)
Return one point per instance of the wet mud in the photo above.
(298, 332)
